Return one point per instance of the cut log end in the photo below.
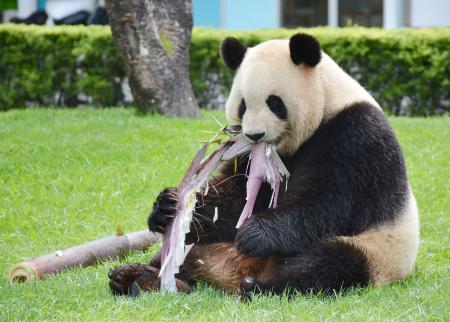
(22, 273)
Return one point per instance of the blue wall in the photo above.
(251, 14)
(41, 4)
(206, 13)
(236, 14)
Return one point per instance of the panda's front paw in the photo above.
(164, 210)
(253, 239)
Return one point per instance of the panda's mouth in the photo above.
(275, 141)
(272, 141)
(236, 129)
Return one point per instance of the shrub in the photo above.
(406, 70)
(58, 66)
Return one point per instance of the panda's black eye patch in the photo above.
(242, 109)
(277, 106)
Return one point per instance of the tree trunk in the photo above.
(153, 38)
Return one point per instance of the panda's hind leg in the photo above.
(327, 266)
(221, 265)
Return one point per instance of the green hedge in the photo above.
(58, 66)
(407, 70)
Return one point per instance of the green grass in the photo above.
(68, 176)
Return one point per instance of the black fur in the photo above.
(327, 267)
(349, 176)
(163, 210)
(276, 105)
(304, 49)
(122, 279)
(226, 192)
(242, 109)
(233, 52)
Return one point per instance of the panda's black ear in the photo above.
(233, 52)
(304, 49)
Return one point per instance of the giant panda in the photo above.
(347, 218)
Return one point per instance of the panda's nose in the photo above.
(255, 136)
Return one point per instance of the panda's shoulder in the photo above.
(359, 136)
(359, 125)
(355, 154)
(360, 116)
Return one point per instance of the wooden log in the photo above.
(87, 254)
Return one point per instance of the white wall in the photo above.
(393, 14)
(428, 13)
(55, 8)
(9, 14)
(58, 9)
(26, 8)
(333, 13)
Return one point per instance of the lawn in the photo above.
(69, 176)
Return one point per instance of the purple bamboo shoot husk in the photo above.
(174, 249)
(253, 186)
(258, 169)
(265, 164)
(241, 146)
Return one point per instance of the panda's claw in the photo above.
(164, 210)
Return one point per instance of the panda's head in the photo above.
(276, 93)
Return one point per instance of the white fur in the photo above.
(339, 88)
(311, 94)
(391, 247)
